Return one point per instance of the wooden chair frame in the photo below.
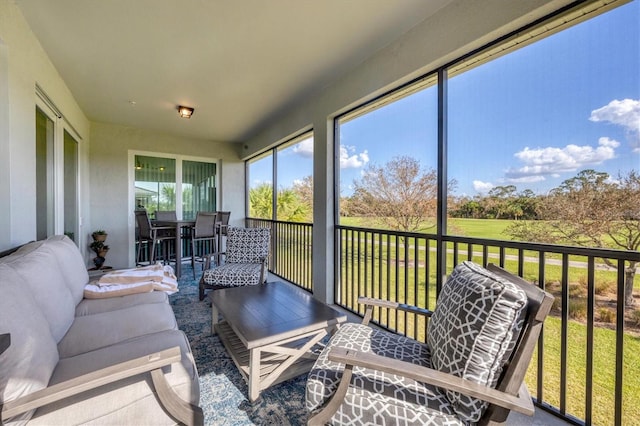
(177, 408)
(509, 394)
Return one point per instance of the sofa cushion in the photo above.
(472, 330)
(71, 264)
(126, 402)
(96, 306)
(22, 250)
(39, 271)
(375, 397)
(91, 332)
(28, 363)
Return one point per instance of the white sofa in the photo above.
(71, 360)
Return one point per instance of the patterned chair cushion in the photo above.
(247, 245)
(233, 275)
(473, 330)
(375, 397)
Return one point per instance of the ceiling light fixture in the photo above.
(185, 111)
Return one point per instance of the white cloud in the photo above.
(304, 148)
(551, 161)
(480, 186)
(349, 159)
(527, 179)
(625, 113)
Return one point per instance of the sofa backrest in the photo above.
(36, 266)
(28, 363)
(71, 264)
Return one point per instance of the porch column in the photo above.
(323, 211)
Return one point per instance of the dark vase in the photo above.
(98, 261)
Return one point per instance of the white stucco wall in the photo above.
(23, 63)
(457, 29)
(110, 185)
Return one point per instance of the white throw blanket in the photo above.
(130, 281)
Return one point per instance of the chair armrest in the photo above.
(521, 403)
(207, 258)
(163, 228)
(370, 303)
(97, 378)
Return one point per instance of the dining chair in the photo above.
(166, 215)
(223, 222)
(203, 238)
(152, 236)
(161, 215)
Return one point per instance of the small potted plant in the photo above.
(99, 235)
(99, 247)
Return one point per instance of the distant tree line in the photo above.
(589, 210)
(501, 202)
(293, 204)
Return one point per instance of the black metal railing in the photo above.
(291, 244)
(585, 369)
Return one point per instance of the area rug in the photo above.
(223, 391)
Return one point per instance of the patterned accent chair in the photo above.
(480, 340)
(244, 261)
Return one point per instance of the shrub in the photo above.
(578, 309)
(635, 318)
(577, 290)
(604, 286)
(607, 315)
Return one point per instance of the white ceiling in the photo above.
(238, 63)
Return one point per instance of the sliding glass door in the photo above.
(45, 132)
(155, 183)
(198, 188)
(70, 186)
(166, 182)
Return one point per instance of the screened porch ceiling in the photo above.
(238, 63)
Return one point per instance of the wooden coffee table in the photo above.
(269, 330)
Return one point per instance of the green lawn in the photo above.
(494, 229)
(395, 274)
(603, 372)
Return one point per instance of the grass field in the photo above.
(494, 229)
(392, 268)
(603, 372)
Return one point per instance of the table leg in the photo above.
(254, 374)
(214, 318)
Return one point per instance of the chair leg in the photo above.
(201, 289)
(138, 252)
(153, 252)
(193, 257)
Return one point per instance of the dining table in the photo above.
(179, 224)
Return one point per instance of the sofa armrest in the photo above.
(370, 303)
(185, 413)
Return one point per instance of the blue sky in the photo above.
(532, 118)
